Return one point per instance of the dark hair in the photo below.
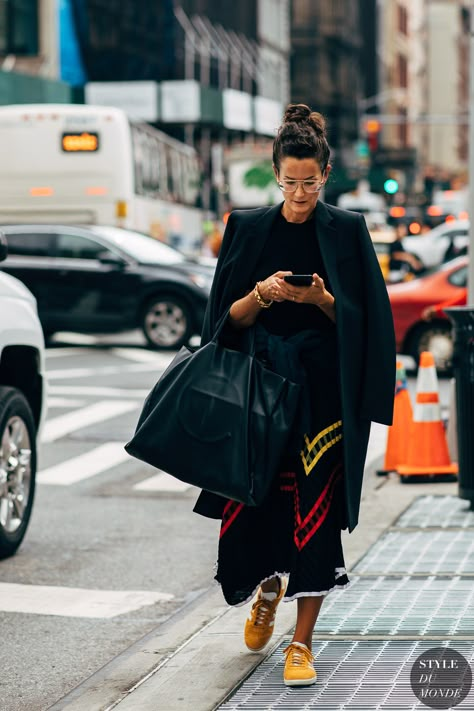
(302, 134)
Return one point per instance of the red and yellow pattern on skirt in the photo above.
(297, 530)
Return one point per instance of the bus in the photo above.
(86, 164)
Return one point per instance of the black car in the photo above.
(101, 279)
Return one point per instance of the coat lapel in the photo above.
(328, 243)
(257, 236)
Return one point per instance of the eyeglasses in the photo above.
(309, 186)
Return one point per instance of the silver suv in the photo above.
(22, 408)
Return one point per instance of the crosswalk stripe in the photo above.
(97, 390)
(75, 602)
(65, 352)
(82, 339)
(161, 360)
(85, 465)
(162, 482)
(98, 412)
(64, 402)
(94, 371)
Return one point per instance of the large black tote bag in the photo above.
(218, 419)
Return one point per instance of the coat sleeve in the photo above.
(214, 304)
(378, 386)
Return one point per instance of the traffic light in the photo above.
(390, 186)
(372, 127)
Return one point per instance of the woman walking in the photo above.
(335, 336)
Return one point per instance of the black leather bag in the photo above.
(218, 419)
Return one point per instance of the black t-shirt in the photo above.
(292, 247)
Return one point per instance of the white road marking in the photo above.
(96, 390)
(66, 373)
(86, 416)
(162, 482)
(64, 402)
(85, 465)
(75, 602)
(63, 352)
(140, 355)
(80, 338)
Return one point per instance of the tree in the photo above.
(260, 176)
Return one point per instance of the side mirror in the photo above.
(3, 247)
(113, 260)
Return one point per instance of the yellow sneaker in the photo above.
(299, 670)
(259, 626)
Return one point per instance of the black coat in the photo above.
(364, 324)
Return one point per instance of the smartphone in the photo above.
(299, 279)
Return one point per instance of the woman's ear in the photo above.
(275, 170)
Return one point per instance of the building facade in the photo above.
(448, 88)
(328, 73)
(29, 56)
(423, 89)
(221, 72)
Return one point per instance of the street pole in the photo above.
(470, 298)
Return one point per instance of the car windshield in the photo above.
(145, 249)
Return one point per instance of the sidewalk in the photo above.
(411, 563)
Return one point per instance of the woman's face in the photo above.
(302, 200)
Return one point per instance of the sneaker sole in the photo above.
(300, 682)
(254, 649)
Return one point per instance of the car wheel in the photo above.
(17, 468)
(436, 338)
(167, 322)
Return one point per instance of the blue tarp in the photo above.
(70, 60)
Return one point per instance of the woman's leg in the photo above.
(308, 611)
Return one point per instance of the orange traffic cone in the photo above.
(399, 432)
(427, 447)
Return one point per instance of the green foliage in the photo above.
(260, 175)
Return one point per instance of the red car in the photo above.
(409, 299)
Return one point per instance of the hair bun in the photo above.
(300, 113)
(319, 122)
(297, 113)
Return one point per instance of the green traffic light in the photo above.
(390, 186)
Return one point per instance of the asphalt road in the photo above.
(113, 548)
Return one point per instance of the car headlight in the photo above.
(202, 281)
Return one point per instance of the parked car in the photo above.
(408, 300)
(22, 410)
(101, 279)
(449, 240)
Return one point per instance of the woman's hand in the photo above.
(316, 294)
(270, 288)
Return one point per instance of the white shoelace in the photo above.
(300, 655)
(262, 612)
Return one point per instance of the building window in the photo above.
(19, 27)
(402, 19)
(403, 128)
(402, 71)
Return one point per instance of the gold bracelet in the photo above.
(260, 300)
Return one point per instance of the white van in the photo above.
(22, 410)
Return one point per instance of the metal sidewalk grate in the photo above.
(352, 676)
(437, 512)
(400, 605)
(426, 552)
(410, 585)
